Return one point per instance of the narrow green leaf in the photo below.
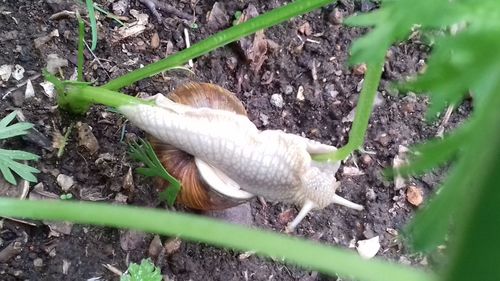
(7, 174)
(24, 171)
(17, 129)
(18, 154)
(7, 119)
(93, 23)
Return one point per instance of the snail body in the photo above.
(206, 126)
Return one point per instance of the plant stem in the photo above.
(222, 38)
(78, 98)
(306, 253)
(81, 35)
(363, 111)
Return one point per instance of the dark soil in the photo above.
(318, 66)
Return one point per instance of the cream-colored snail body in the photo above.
(203, 137)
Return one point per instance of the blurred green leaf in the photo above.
(434, 153)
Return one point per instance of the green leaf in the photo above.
(146, 271)
(143, 152)
(456, 197)
(459, 63)
(9, 158)
(17, 129)
(93, 23)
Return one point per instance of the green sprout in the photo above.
(237, 16)
(146, 271)
(67, 196)
(143, 152)
(9, 159)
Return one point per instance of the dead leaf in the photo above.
(132, 29)
(305, 29)
(254, 47)
(86, 138)
(217, 18)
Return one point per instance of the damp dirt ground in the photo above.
(302, 84)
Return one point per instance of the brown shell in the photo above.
(195, 193)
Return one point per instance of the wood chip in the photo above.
(155, 41)
(414, 195)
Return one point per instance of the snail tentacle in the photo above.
(306, 208)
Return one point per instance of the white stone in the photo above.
(65, 182)
(277, 100)
(368, 248)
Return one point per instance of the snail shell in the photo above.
(195, 193)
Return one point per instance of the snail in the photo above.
(203, 137)
(195, 192)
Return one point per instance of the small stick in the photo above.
(153, 4)
(188, 44)
(446, 118)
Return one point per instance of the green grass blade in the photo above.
(220, 39)
(362, 117)
(93, 23)
(81, 46)
(306, 253)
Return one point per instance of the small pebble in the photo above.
(368, 248)
(330, 90)
(65, 182)
(366, 159)
(155, 247)
(336, 16)
(383, 139)
(264, 118)
(414, 195)
(300, 94)
(277, 100)
(360, 69)
(38, 262)
(288, 90)
(371, 195)
(172, 245)
(305, 29)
